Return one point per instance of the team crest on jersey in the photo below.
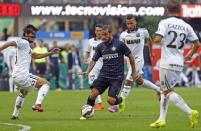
(138, 35)
(113, 48)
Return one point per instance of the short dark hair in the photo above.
(29, 29)
(108, 28)
(99, 25)
(130, 16)
(173, 6)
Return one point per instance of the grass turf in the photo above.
(62, 112)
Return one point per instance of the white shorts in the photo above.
(93, 75)
(138, 66)
(27, 82)
(168, 78)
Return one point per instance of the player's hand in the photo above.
(85, 61)
(134, 76)
(55, 50)
(84, 74)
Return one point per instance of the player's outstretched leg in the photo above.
(18, 104)
(43, 89)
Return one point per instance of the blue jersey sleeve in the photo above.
(97, 53)
(125, 50)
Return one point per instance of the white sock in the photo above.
(18, 104)
(164, 103)
(42, 93)
(149, 84)
(126, 91)
(98, 99)
(180, 103)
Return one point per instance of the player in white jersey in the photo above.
(24, 80)
(172, 34)
(135, 38)
(93, 43)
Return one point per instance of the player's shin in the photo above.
(18, 104)
(149, 84)
(164, 103)
(42, 93)
(180, 103)
(125, 91)
(90, 101)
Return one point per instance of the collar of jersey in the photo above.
(109, 43)
(128, 31)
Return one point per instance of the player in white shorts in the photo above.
(172, 34)
(135, 38)
(93, 43)
(24, 80)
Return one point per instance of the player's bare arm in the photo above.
(39, 56)
(196, 45)
(7, 44)
(86, 57)
(132, 62)
(149, 42)
(90, 67)
(158, 39)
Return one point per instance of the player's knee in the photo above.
(23, 92)
(140, 81)
(111, 100)
(128, 82)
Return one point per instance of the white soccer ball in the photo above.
(87, 111)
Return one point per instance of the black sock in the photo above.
(118, 100)
(90, 101)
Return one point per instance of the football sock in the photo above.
(90, 101)
(18, 104)
(180, 103)
(149, 84)
(118, 100)
(126, 91)
(164, 103)
(42, 93)
(98, 99)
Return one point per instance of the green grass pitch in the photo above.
(62, 112)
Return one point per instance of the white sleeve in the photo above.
(161, 28)
(121, 37)
(19, 43)
(88, 46)
(191, 34)
(146, 33)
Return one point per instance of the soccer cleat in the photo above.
(158, 124)
(37, 108)
(101, 106)
(14, 118)
(83, 118)
(194, 118)
(122, 105)
(113, 109)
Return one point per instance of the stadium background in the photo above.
(73, 30)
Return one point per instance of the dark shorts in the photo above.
(114, 85)
(41, 68)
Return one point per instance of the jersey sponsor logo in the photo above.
(110, 56)
(175, 65)
(136, 41)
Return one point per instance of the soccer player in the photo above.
(112, 73)
(172, 34)
(24, 80)
(135, 38)
(93, 43)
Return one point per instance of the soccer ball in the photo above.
(87, 111)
